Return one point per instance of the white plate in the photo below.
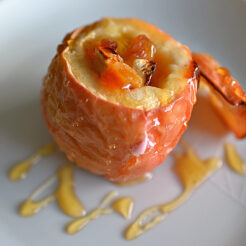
(29, 33)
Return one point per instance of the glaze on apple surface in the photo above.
(118, 95)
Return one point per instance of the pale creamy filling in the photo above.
(148, 97)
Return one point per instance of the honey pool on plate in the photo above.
(190, 169)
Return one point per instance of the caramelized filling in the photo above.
(132, 69)
(128, 63)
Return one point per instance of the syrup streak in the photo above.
(65, 195)
(192, 172)
(21, 169)
(78, 224)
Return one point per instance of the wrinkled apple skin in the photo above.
(107, 139)
(230, 105)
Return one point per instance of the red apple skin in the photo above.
(226, 94)
(110, 140)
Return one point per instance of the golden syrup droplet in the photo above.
(65, 195)
(144, 178)
(78, 224)
(30, 207)
(124, 206)
(233, 159)
(192, 171)
(20, 170)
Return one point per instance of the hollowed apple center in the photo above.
(129, 67)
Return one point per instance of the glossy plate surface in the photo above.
(30, 31)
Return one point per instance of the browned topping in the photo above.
(105, 53)
(133, 70)
(145, 69)
(107, 49)
(110, 45)
(140, 48)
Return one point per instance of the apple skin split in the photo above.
(117, 142)
(226, 94)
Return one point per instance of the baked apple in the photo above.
(227, 96)
(118, 95)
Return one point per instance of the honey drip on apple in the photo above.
(20, 170)
(191, 171)
(234, 160)
(143, 178)
(65, 195)
(78, 224)
(124, 206)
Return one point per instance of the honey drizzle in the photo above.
(20, 170)
(234, 160)
(124, 206)
(78, 224)
(30, 207)
(191, 171)
(65, 195)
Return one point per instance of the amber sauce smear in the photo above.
(31, 207)
(124, 206)
(78, 224)
(65, 195)
(234, 160)
(189, 167)
(191, 171)
(20, 170)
